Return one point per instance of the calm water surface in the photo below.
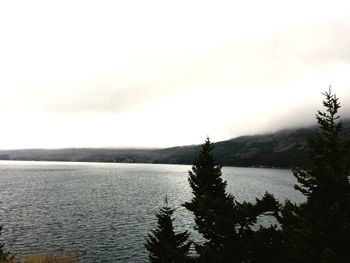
(102, 212)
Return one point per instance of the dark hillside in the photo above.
(286, 148)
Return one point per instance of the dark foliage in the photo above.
(213, 209)
(319, 229)
(224, 222)
(163, 244)
(5, 256)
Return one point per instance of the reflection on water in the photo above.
(102, 212)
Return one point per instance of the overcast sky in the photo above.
(165, 73)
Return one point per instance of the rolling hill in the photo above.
(286, 148)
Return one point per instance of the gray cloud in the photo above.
(105, 100)
(320, 43)
(272, 62)
(101, 99)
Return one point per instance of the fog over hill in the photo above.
(285, 148)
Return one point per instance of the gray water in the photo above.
(102, 212)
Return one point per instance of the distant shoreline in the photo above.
(91, 162)
(281, 150)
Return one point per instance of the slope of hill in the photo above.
(286, 148)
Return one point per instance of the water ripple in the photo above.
(103, 212)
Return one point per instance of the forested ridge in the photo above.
(286, 148)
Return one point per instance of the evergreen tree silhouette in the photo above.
(319, 229)
(224, 222)
(163, 244)
(213, 209)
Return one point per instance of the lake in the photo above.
(102, 212)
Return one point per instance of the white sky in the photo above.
(165, 73)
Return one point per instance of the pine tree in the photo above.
(5, 256)
(327, 179)
(213, 209)
(319, 229)
(224, 222)
(163, 244)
